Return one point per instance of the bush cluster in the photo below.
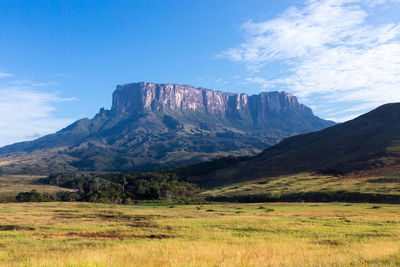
(35, 196)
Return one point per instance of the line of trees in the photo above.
(126, 187)
(114, 187)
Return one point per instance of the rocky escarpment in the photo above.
(139, 97)
(152, 126)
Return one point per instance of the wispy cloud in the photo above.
(263, 83)
(332, 53)
(31, 83)
(26, 112)
(220, 81)
(4, 74)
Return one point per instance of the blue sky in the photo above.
(61, 60)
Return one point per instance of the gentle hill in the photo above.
(368, 145)
(159, 126)
(311, 187)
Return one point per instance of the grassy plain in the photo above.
(221, 234)
(11, 185)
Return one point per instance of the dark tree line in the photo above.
(114, 187)
(126, 187)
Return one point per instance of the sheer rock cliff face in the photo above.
(139, 97)
(155, 126)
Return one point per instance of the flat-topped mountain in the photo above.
(139, 97)
(152, 126)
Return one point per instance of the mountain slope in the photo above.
(369, 144)
(152, 126)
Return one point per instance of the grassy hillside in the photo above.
(311, 187)
(369, 144)
(83, 234)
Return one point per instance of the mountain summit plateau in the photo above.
(157, 126)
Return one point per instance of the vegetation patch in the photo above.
(119, 216)
(330, 242)
(310, 197)
(146, 224)
(384, 180)
(265, 209)
(116, 187)
(375, 207)
(107, 216)
(105, 235)
(15, 228)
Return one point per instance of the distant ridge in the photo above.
(157, 126)
(367, 145)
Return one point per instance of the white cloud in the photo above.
(30, 83)
(340, 119)
(4, 75)
(26, 114)
(263, 83)
(373, 3)
(332, 54)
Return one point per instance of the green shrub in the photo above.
(34, 196)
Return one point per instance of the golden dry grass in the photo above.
(279, 234)
(308, 182)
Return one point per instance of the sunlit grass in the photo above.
(83, 234)
(306, 182)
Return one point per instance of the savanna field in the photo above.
(219, 234)
(224, 133)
